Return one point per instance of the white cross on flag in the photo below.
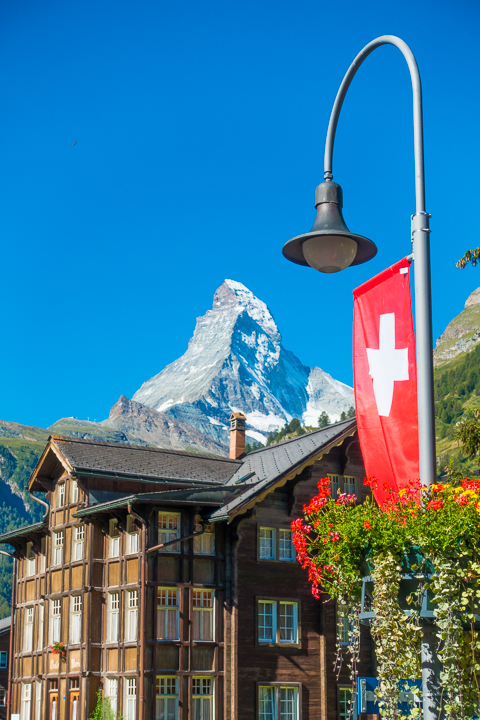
(385, 379)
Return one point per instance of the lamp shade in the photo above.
(329, 246)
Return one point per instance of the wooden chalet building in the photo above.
(169, 582)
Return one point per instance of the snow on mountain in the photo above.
(235, 361)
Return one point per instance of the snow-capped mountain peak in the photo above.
(235, 361)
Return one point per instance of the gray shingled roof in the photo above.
(24, 531)
(268, 465)
(208, 496)
(116, 459)
(5, 624)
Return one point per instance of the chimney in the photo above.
(237, 435)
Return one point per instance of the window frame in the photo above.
(277, 529)
(58, 547)
(174, 547)
(28, 625)
(30, 560)
(75, 613)
(74, 492)
(132, 536)
(177, 590)
(129, 611)
(126, 686)
(340, 485)
(278, 686)
(78, 542)
(167, 696)
(40, 626)
(278, 601)
(347, 688)
(111, 611)
(201, 610)
(53, 618)
(113, 539)
(211, 695)
(199, 541)
(114, 696)
(60, 495)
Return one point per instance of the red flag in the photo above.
(385, 378)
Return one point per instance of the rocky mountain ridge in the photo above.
(462, 333)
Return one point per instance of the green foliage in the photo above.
(351, 412)
(468, 432)
(434, 534)
(323, 420)
(471, 256)
(254, 445)
(103, 709)
(291, 429)
(343, 416)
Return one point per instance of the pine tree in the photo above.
(343, 416)
(351, 412)
(323, 420)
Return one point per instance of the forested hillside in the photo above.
(457, 395)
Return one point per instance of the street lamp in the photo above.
(330, 247)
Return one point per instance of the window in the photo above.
(203, 614)
(57, 558)
(38, 700)
(168, 530)
(3, 659)
(131, 617)
(30, 570)
(344, 699)
(41, 615)
(113, 539)
(3, 697)
(130, 699)
(73, 491)
(43, 554)
(26, 701)
(278, 622)
(202, 698)
(60, 494)
(343, 484)
(334, 486)
(204, 544)
(286, 546)
(76, 619)
(74, 683)
(276, 544)
(113, 612)
(28, 630)
(167, 614)
(346, 625)
(349, 485)
(78, 542)
(112, 693)
(132, 536)
(55, 620)
(266, 703)
(267, 543)
(277, 702)
(167, 698)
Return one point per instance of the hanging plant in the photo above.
(58, 648)
(434, 534)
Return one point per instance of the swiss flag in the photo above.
(385, 378)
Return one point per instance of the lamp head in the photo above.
(329, 246)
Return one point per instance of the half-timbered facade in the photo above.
(168, 582)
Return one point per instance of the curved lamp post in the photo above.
(330, 247)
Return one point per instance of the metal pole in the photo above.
(423, 317)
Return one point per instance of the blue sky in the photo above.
(200, 131)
